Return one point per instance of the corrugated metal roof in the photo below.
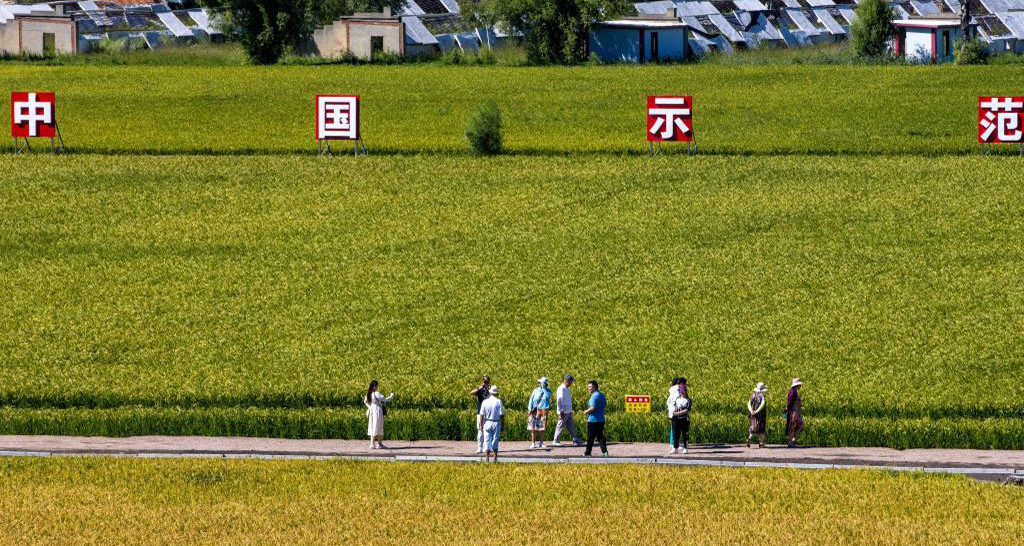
(750, 5)
(696, 9)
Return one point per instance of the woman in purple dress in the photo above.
(794, 413)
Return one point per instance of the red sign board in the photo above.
(1001, 120)
(337, 117)
(669, 118)
(33, 114)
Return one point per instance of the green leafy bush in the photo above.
(873, 29)
(971, 52)
(484, 131)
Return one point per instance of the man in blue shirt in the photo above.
(540, 404)
(595, 419)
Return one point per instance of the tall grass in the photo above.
(110, 501)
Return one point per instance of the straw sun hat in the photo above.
(796, 383)
(760, 388)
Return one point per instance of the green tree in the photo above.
(267, 29)
(873, 29)
(555, 31)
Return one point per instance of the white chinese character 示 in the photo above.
(33, 113)
(669, 117)
(338, 118)
(1003, 118)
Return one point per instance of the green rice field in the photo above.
(192, 268)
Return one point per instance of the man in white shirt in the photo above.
(563, 405)
(492, 412)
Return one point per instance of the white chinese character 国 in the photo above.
(337, 118)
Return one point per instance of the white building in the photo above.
(927, 40)
(36, 29)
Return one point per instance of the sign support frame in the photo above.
(57, 145)
(323, 148)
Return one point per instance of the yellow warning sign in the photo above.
(638, 403)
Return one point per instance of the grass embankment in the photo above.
(258, 295)
(415, 109)
(109, 501)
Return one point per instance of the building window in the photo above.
(376, 45)
(49, 44)
(654, 46)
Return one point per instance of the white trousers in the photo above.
(479, 431)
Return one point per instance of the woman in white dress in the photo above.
(375, 403)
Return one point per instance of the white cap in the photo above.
(543, 380)
(493, 389)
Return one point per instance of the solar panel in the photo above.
(848, 13)
(202, 18)
(695, 24)
(94, 12)
(174, 24)
(416, 33)
(750, 5)
(725, 27)
(654, 8)
(830, 23)
(924, 8)
(696, 9)
(802, 22)
(432, 7)
(820, 3)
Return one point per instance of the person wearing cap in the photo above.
(563, 405)
(680, 413)
(539, 405)
(492, 412)
(794, 413)
(757, 407)
(595, 419)
(481, 393)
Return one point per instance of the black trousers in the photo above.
(680, 428)
(595, 431)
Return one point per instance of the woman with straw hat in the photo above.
(757, 406)
(794, 416)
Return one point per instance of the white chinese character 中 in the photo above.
(669, 116)
(338, 118)
(34, 113)
(1003, 117)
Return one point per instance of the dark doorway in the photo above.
(49, 44)
(654, 46)
(376, 45)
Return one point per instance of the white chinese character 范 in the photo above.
(670, 117)
(337, 118)
(34, 113)
(1003, 117)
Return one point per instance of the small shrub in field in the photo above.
(484, 131)
(873, 29)
(454, 56)
(971, 52)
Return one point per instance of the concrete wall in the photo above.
(918, 47)
(25, 35)
(353, 36)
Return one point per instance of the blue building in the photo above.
(647, 38)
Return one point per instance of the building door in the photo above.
(376, 46)
(947, 46)
(49, 44)
(654, 46)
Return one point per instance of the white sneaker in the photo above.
(673, 451)
(533, 445)
(540, 445)
(478, 450)
(556, 443)
(685, 451)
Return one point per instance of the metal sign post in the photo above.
(34, 115)
(670, 119)
(337, 118)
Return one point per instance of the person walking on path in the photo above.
(595, 419)
(794, 413)
(481, 393)
(680, 412)
(673, 393)
(539, 406)
(492, 410)
(563, 405)
(375, 411)
(757, 407)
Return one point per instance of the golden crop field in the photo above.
(152, 502)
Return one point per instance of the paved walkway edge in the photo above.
(695, 462)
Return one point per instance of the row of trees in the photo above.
(554, 31)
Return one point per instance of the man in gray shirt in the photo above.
(563, 405)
